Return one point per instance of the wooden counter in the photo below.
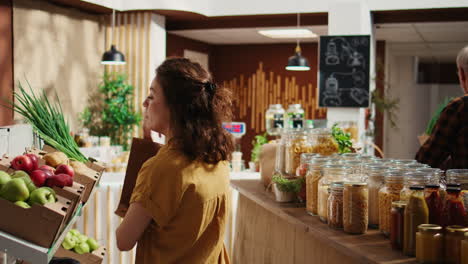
(306, 239)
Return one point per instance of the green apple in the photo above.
(69, 242)
(4, 178)
(81, 238)
(42, 196)
(29, 183)
(19, 174)
(93, 244)
(15, 190)
(22, 204)
(74, 232)
(82, 248)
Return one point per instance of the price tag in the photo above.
(237, 129)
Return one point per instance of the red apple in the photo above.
(23, 163)
(38, 177)
(62, 168)
(34, 159)
(47, 169)
(59, 180)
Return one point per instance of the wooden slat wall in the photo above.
(132, 38)
(254, 94)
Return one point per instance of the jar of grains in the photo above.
(335, 205)
(313, 175)
(375, 181)
(331, 173)
(355, 207)
(389, 193)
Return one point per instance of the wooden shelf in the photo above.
(371, 247)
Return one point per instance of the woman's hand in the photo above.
(146, 129)
(132, 227)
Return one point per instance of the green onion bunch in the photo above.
(47, 120)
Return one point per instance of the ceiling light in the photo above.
(297, 62)
(288, 33)
(113, 56)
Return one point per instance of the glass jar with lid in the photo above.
(415, 166)
(274, 117)
(454, 212)
(416, 178)
(305, 160)
(335, 205)
(458, 176)
(389, 193)
(429, 244)
(331, 173)
(297, 143)
(401, 163)
(356, 166)
(313, 175)
(434, 203)
(416, 213)
(323, 142)
(355, 207)
(280, 152)
(454, 235)
(397, 215)
(375, 180)
(295, 116)
(351, 156)
(464, 250)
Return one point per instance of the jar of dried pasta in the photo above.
(355, 207)
(297, 143)
(313, 175)
(335, 205)
(375, 181)
(323, 142)
(331, 173)
(389, 193)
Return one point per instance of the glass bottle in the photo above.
(355, 207)
(434, 203)
(415, 178)
(460, 176)
(401, 163)
(331, 173)
(429, 244)
(453, 237)
(454, 210)
(314, 174)
(389, 193)
(280, 152)
(295, 116)
(323, 142)
(415, 166)
(335, 205)
(397, 224)
(297, 143)
(416, 213)
(464, 250)
(375, 181)
(274, 117)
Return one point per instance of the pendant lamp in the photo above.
(297, 62)
(113, 56)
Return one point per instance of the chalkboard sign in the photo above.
(344, 71)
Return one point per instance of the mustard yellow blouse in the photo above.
(189, 204)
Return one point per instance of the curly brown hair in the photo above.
(197, 109)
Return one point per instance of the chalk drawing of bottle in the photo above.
(331, 56)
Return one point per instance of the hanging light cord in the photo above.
(113, 25)
(298, 48)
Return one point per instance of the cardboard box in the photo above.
(96, 257)
(40, 225)
(141, 151)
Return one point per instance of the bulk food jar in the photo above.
(280, 152)
(397, 215)
(454, 209)
(331, 173)
(454, 235)
(375, 180)
(274, 117)
(295, 116)
(429, 244)
(323, 142)
(335, 205)
(313, 175)
(389, 193)
(297, 143)
(401, 163)
(460, 176)
(416, 213)
(416, 178)
(434, 203)
(355, 207)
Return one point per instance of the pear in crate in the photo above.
(15, 190)
(4, 178)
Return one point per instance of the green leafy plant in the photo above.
(287, 185)
(386, 105)
(47, 120)
(111, 111)
(343, 139)
(257, 144)
(436, 115)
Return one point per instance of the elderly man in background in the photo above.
(449, 139)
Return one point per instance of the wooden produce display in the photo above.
(95, 257)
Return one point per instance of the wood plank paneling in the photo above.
(6, 60)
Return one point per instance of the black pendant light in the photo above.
(113, 56)
(297, 62)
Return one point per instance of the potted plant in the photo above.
(111, 111)
(257, 144)
(285, 190)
